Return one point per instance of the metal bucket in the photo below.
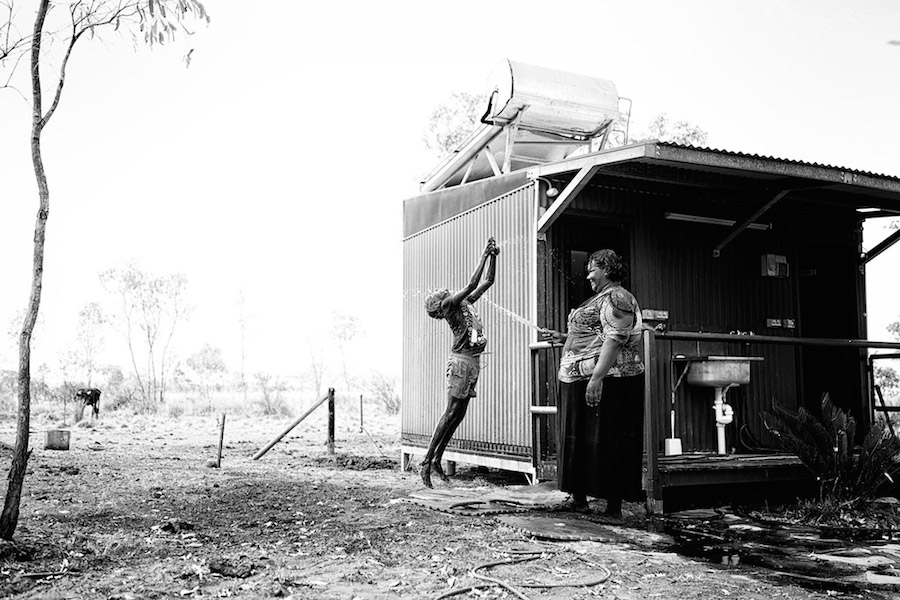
(57, 439)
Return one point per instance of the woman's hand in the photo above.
(552, 336)
(491, 247)
(594, 391)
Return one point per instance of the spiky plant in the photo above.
(825, 445)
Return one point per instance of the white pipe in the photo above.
(724, 415)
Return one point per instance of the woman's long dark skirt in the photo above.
(600, 449)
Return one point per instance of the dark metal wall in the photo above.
(673, 269)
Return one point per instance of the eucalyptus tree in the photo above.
(91, 321)
(45, 37)
(150, 309)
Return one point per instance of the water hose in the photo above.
(528, 555)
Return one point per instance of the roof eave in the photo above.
(686, 156)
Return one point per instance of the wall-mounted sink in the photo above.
(720, 371)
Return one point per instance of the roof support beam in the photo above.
(491, 161)
(604, 157)
(512, 132)
(468, 172)
(587, 167)
(884, 245)
(453, 163)
(581, 179)
(738, 228)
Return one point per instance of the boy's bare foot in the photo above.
(425, 474)
(439, 471)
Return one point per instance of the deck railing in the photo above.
(651, 355)
(543, 410)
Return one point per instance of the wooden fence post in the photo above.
(330, 420)
(221, 439)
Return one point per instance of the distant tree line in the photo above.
(144, 313)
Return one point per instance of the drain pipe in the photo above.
(724, 415)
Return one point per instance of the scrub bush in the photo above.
(847, 475)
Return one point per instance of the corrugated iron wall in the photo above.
(445, 255)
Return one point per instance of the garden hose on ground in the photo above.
(527, 555)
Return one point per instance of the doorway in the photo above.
(578, 238)
(828, 308)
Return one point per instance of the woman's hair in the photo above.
(612, 262)
(433, 303)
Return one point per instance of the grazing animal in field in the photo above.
(88, 397)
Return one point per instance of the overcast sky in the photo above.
(277, 163)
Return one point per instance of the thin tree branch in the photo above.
(79, 28)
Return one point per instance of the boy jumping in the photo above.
(464, 363)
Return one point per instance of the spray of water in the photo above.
(511, 314)
(409, 293)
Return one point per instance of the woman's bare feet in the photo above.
(613, 512)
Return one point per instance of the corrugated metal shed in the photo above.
(694, 224)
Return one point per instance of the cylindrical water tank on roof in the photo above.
(551, 101)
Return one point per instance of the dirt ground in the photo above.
(132, 510)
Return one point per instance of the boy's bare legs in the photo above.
(446, 427)
(458, 408)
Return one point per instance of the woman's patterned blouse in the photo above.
(612, 314)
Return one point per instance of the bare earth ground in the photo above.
(132, 511)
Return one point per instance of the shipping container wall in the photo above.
(445, 256)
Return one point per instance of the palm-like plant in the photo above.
(825, 445)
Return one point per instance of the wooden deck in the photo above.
(712, 469)
(708, 479)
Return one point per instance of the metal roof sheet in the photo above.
(778, 159)
(777, 171)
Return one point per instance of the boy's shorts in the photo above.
(462, 375)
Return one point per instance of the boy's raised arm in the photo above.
(460, 295)
(489, 276)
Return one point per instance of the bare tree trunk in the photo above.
(10, 516)
(128, 328)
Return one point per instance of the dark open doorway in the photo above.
(578, 238)
(828, 309)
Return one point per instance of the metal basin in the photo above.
(720, 371)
